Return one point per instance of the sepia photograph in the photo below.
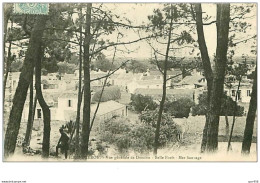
(129, 82)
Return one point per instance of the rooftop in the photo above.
(190, 80)
(68, 95)
(178, 93)
(106, 107)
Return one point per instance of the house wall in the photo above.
(245, 94)
(64, 109)
(38, 116)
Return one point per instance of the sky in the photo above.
(138, 13)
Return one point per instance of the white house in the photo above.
(146, 84)
(123, 79)
(67, 108)
(192, 82)
(244, 92)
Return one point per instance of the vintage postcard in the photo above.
(171, 82)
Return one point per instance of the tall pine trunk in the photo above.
(23, 85)
(32, 107)
(206, 66)
(223, 16)
(250, 119)
(87, 91)
(8, 67)
(234, 115)
(45, 108)
(77, 148)
(157, 132)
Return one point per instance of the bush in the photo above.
(109, 93)
(140, 102)
(168, 127)
(227, 106)
(140, 137)
(123, 143)
(179, 108)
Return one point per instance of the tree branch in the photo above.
(110, 73)
(122, 43)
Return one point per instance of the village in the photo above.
(61, 94)
(94, 80)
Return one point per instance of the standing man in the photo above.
(63, 143)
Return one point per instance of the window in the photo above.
(14, 84)
(233, 93)
(69, 103)
(248, 93)
(39, 113)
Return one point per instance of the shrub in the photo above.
(140, 137)
(109, 93)
(179, 108)
(123, 143)
(227, 106)
(168, 127)
(140, 102)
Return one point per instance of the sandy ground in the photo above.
(189, 150)
(174, 153)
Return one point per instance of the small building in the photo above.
(109, 109)
(173, 94)
(244, 92)
(67, 108)
(192, 82)
(146, 84)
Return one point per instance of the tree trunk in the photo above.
(226, 119)
(23, 85)
(87, 92)
(157, 132)
(44, 106)
(8, 67)
(234, 116)
(77, 148)
(8, 7)
(223, 15)
(206, 66)
(32, 107)
(248, 133)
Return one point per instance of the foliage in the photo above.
(137, 66)
(168, 127)
(70, 125)
(67, 68)
(179, 108)
(101, 148)
(251, 75)
(103, 63)
(227, 106)
(140, 102)
(16, 66)
(138, 137)
(109, 93)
